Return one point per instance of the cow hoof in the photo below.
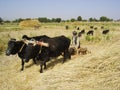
(35, 63)
(21, 69)
(41, 71)
(45, 68)
(63, 62)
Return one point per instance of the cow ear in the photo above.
(24, 37)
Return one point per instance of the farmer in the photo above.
(74, 38)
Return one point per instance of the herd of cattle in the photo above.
(43, 48)
(91, 32)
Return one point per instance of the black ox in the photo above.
(46, 48)
(19, 47)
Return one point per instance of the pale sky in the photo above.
(65, 9)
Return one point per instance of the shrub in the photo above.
(107, 37)
(89, 38)
(95, 28)
(91, 27)
(67, 27)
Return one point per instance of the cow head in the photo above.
(11, 47)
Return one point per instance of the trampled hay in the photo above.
(98, 70)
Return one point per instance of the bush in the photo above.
(89, 38)
(66, 27)
(107, 37)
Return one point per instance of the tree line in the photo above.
(58, 20)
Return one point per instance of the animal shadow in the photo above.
(54, 62)
(30, 65)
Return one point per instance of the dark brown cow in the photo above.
(105, 32)
(90, 32)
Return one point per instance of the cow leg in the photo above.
(43, 62)
(69, 55)
(41, 65)
(34, 61)
(22, 65)
(45, 65)
(47, 59)
(66, 55)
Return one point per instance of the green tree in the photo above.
(72, 20)
(18, 20)
(79, 18)
(58, 20)
(53, 20)
(1, 20)
(91, 19)
(104, 18)
(7, 21)
(43, 19)
(28, 19)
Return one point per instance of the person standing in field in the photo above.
(76, 39)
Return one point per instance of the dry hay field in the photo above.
(98, 70)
